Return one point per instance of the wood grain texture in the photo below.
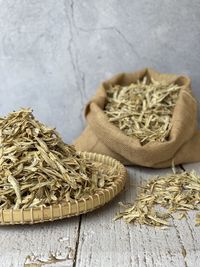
(103, 242)
(41, 240)
(189, 233)
(96, 240)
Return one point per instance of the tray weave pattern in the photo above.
(68, 209)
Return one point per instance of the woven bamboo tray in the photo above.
(68, 209)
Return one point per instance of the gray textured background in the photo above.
(54, 53)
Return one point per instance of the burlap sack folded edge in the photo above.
(103, 137)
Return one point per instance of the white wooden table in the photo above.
(95, 240)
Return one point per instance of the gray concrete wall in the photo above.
(54, 53)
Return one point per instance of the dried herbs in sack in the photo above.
(144, 118)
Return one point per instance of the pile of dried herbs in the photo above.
(38, 168)
(143, 109)
(172, 193)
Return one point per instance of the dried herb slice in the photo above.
(143, 109)
(38, 168)
(177, 192)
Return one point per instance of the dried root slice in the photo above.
(38, 168)
(143, 109)
(171, 193)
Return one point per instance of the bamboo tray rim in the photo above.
(70, 208)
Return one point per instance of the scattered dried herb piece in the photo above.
(197, 219)
(173, 193)
(143, 109)
(38, 168)
(35, 261)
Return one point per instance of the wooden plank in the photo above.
(189, 233)
(58, 238)
(103, 242)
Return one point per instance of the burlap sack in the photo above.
(101, 136)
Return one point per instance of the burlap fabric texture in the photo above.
(103, 137)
